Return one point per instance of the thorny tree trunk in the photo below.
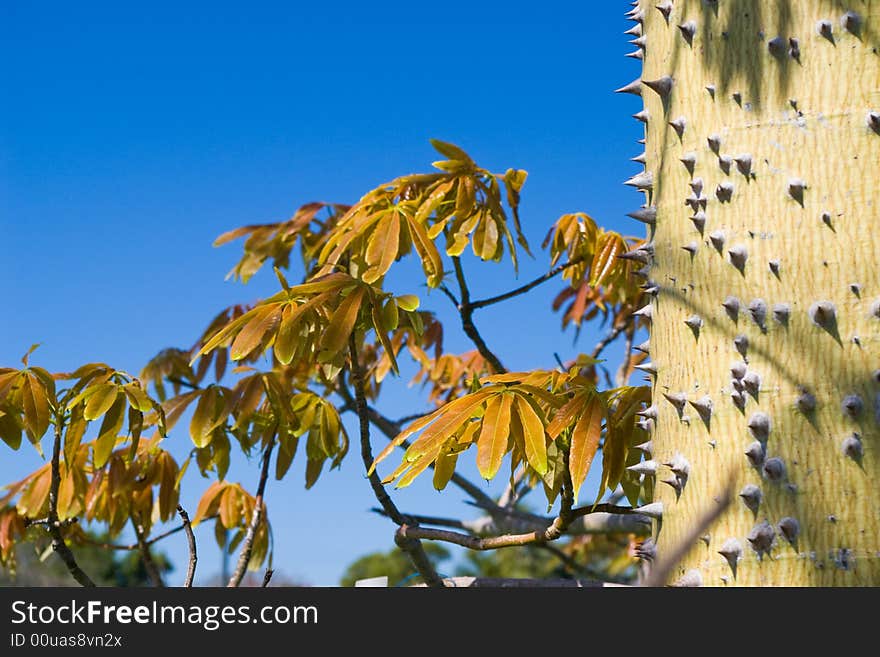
(777, 104)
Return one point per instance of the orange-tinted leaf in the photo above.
(252, 334)
(585, 441)
(535, 442)
(341, 325)
(208, 504)
(382, 247)
(492, 443)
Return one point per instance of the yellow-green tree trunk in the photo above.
(798, 154)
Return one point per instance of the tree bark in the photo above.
(776, 109)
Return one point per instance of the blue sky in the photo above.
(132, 135)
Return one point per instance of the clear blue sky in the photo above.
(132, 134)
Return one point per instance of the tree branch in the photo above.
(482, 303)
(191, 541)
(411, 546)
(610, 337)
(58, 544)
(247, 545)
(466, 311)
(556, 528)
(134, 546)
(146, 556)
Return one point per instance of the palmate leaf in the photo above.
(508, 413)
(310, 323)
(462, 203)
(276, 240)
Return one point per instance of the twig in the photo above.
(445, 290)
(181, 382)
(610, 337)
(52, 524)
(409, 545)
(482, 303)
(466, 311)
(191, 541)
(247, 545)
(556, 528)
(146, 556)
(267, 577)
(416, 519)
(134, 546)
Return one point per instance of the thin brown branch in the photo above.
(247, 546)
(466, 311)
(445, 290)
(556, 528)
(182, 382)
(610, 337)
(417, 519)
(52, 524)
(411, 546)
(267, 577)
(146, 556)
(191, 542)
(134, 546)
(482, 303)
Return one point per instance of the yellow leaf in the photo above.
(230, 509)
(432, 264)
(251, 335)
(409, 302)
(341, 325)
(610, 246)
(443, 421)
(36, 408)
(382, 247)
(100, 401)
(444, 468)
(109, 432)
(492, 443)
(464, 197)
(288, 332)
(566, 415)
(535, 442)
(451, 151)
(415, 469)
(138, 398)
(585, 441)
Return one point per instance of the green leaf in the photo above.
(408, 302)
